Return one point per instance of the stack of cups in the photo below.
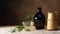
(52, 21)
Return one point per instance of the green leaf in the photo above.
(13, 31)
(19, 28)
(29, 17)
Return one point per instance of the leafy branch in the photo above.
(29, 17)
(19, 28)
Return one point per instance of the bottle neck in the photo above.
(39, 11)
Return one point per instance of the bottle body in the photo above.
(39, 20)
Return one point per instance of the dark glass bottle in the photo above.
(39, 19)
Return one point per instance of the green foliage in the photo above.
(18, 28)
(13, 31)
(29, 17)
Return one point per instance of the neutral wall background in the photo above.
(13, 11)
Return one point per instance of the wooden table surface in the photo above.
(6, 30)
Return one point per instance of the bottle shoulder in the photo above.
(39, 16)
